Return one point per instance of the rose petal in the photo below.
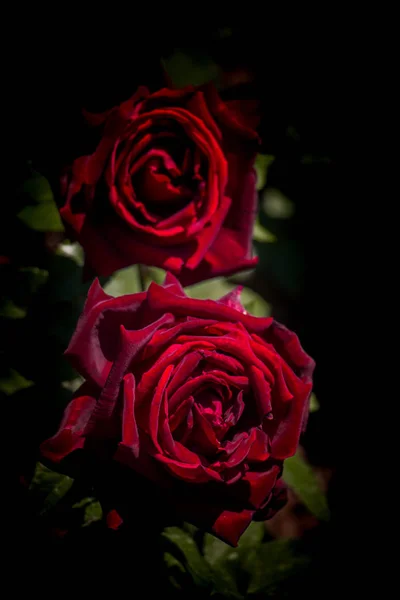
(235, 342)
(230, 525)
(91, 357)
(261, 485)
(130, 435)
(207, 236)
(261, 390)
(171, 447)
(70, 435)
(287, 345)
(162, 299)
(226, 116)
(240, 453)
(259, 449)
(284, 431)
(183, 370)
(114, 520)
(234, 413)
(160, 339)
(184, 432)
(154, 412)
(203, 439)
(188, 472)
(197, 105)
(191, 386)
(232, 299)
(181, 413)
(242, 189)
(231, 446)
(223, 361)
(95, 296)
(173, 284)
(132, 343)
(275, 502)
(170, 356)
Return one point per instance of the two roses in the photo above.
(198, 396)
(171, 184)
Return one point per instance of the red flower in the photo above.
(171, 184)
(198, 396)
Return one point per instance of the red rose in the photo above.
(198, 396)
(171, 184)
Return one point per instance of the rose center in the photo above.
(210, 405)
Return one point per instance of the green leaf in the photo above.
(34, 278)
(212, 289)
(49, 486)
(171, 562)
(261, 234)
(175, 568)
(225, 572)
(191, 529)
(42, 214)
(72, 384)
(125, 281)
(71, 250)
(191, 557)
(43, 217)
(252, 537)
(214, 549)
(184, 69)
(224, 561)
(261, 165)
(12, 381)
(93, 513)
(276, 205)
(254, 303)
(153, 274)
(10, 310)
(301, 478)
(275, 563)
(314, 404)
(249, 544)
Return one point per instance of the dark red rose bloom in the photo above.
(171, 184)
(198, 396)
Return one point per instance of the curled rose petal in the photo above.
(70, 434)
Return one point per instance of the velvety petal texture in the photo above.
(171, 184)
(198, 396)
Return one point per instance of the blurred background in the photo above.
(291, 78)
